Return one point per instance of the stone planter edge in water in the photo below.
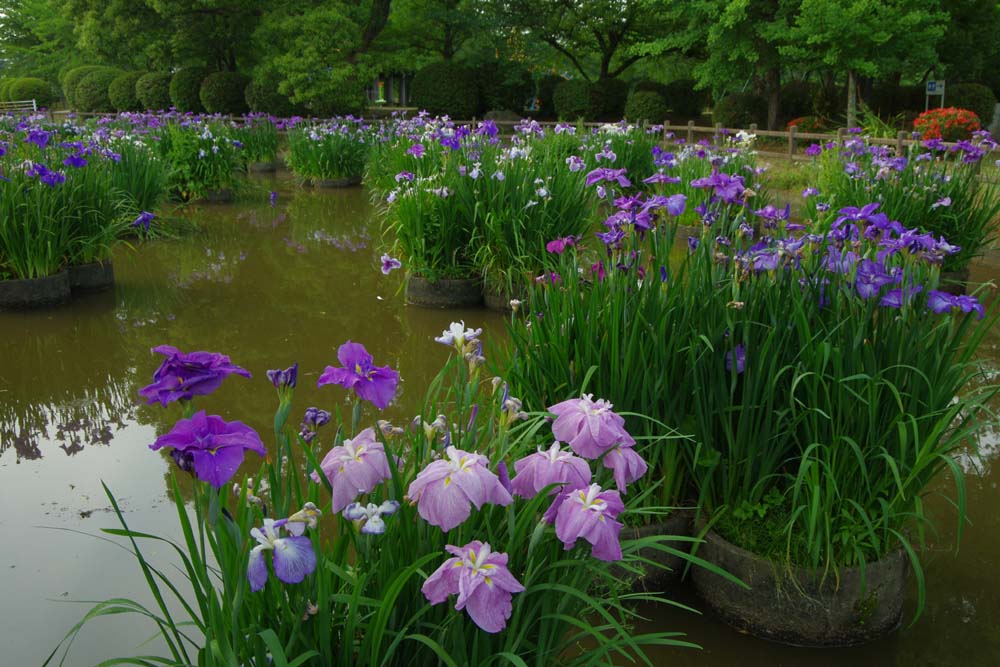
(343, 182)
(32, 292)
(220, 196)
(799, 606)
(444, 293)
(670, 567)
(92, 277)
(263, 167)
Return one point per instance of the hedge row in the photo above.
(27, 88)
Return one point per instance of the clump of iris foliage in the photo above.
(69, 194)
(352, 541)
(204, 155)
(935, 187)
(258, 137)
(333, 149)
(819, 376)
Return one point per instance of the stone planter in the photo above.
(262, 167)
(32, 292)
(955, 282)
(669, 567)
(92, 277)
(346, 182)
(798, 606)
(221, 196)
(455, 293)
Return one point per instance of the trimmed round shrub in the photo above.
(576, 99)
(122, 93)
(503, 86)
(797, 99)
(72, 78)
(646, 105)
(225, 92)
(31, 88)
(740, 110)
(262, 96)
(949, 124)
(153, 91)
(185, 88)
(91, 94)
(4, 87)
(975, 97)
(683, 100)
(446, 88)
(611, 95)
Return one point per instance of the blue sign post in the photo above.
(933, 88)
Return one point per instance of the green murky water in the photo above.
(271, 287)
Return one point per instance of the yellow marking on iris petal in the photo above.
(489, 582)
(447, 481)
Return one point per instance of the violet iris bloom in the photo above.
(143, 220)
(558, 246)
(480, 578)
(736, 357)
(894, 298)
(660, 177)
(76, 161)
(284, 379)
(376, 384)
(416, 150)
(942, 302)
(589, 513)
(390, 264)
(626, 464)
(39, 137)
(553, 466)
(357, 466)
(313, 419)
(183, 376)
(210, 446)
(447, 488)
(728, 188)
(870, 278)
(602, 174)
(370, 515)
(273, 199)
(590, 427)
(293, 556)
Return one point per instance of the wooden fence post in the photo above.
(753, 128)
(718, 134)
(690, 137)
(900, 146)
(792, 132)
(841, 132)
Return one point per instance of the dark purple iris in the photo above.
(870, 278)
(284, 379)
(727, 188)
(39, 137)
(76, 161)
(143, 220)
(605, 174)
(736, 359)
(183, 376)
(210, 446)
(376, 384)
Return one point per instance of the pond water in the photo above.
(270, 287)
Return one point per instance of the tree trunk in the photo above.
(852, 99)
(772, 82)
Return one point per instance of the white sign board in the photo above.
(933, 88)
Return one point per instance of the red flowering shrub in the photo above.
(948, 124)
(806, 124)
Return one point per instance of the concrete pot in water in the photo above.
(92, 277)
(801, 606)
(345, 182)
(32, 292)
(444, 293)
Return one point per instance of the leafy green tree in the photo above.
(597, 37)
(970, 48)
(37, 38)
(128, 33)
(871, 38)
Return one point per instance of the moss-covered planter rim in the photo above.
(92, 277)
(343, 182)
(220, 196)
(800, 606)
(444, 293)
(34, 292)
(669, 568)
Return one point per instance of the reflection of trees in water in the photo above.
(73, 419)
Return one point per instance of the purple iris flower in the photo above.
(940, 302)
(590, 427)
(693, 243)
(870, 278)
(604, 174)
(313, 419)
(944, 201)
(357, 466)
(575, 163)
(376, 384)
(558, 246)
(728, 188)
(416, 150)
(736, 359)
(626, 464)
(284, 379)
(211, 446)
(894, 298)
(589, 513)
(488, 128)
(273, 198)
(766, 260)
(660, 177)
(183, 376)
(39, 137)
(480, 578)
(813, 150)
(143, 220)
(447, 488)
(370, 515)
(390, 264)
(552, 466)
(293, 556)
(76, 161)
